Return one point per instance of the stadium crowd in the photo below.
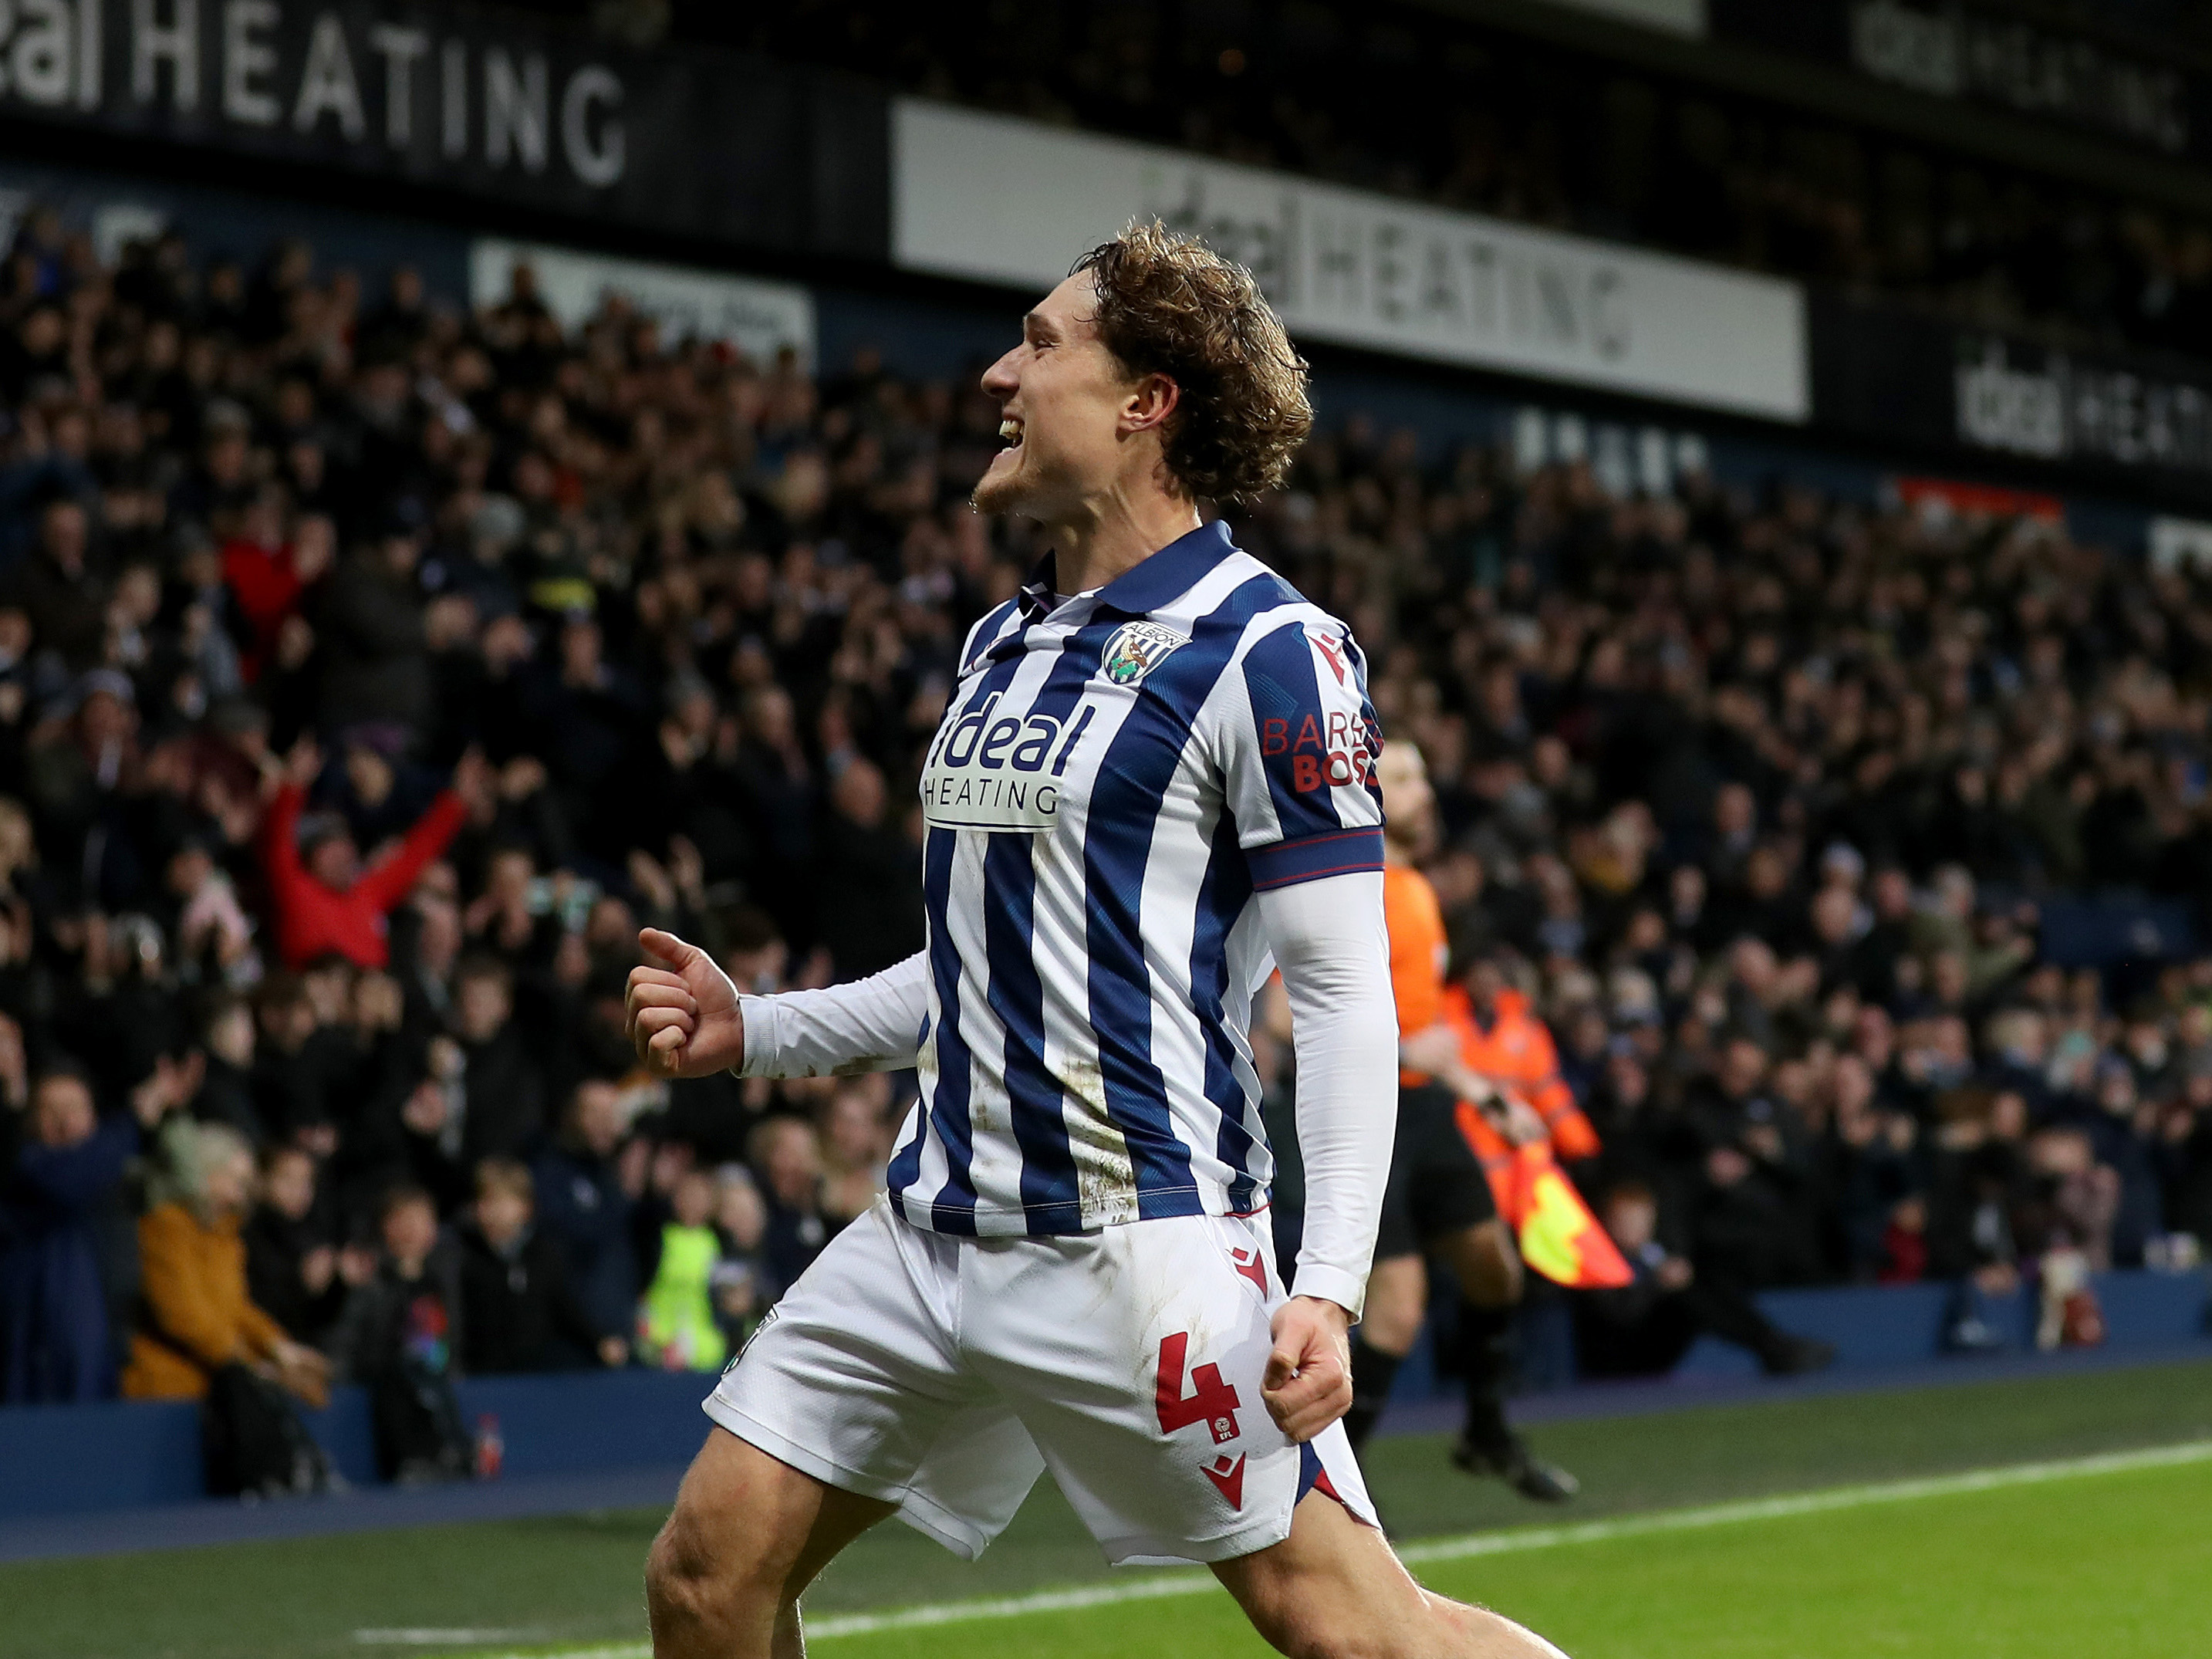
(369, 672)
(1490, 120)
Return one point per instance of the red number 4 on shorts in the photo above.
(1210, 1402)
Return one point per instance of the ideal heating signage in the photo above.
(1992, 55)
(443, 85)
(2046, 405)
(1008, 201)
(495, 104)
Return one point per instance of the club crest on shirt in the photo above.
(1137, 649)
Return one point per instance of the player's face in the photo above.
(1063, 399)
(1409, 803)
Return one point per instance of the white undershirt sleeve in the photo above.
(872, 1025)
(1329, 940)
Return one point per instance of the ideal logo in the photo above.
(998, 771)
(1137, 649)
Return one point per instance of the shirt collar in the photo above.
(1145, 586)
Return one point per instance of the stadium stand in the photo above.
(371, 671)
(1518, 117)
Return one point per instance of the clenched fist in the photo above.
(683, 1013)
(1308, 1384)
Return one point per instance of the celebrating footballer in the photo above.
(1155, 780)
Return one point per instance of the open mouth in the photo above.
(1010, 430)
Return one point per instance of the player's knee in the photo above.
(1306, 1627)
(1311, 1635)
(690, 1584)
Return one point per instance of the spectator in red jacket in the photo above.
(323, 900)
(269, 573)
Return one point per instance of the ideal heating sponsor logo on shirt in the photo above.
(999, 771)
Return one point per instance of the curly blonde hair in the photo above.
(1169, 304)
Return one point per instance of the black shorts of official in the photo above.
(1437, 1186)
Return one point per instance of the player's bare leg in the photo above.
(747, 1535)
(1333, 1589)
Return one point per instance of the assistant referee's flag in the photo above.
(1559, 1237)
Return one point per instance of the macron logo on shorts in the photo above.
(1248, 1263)
(1228, 1478)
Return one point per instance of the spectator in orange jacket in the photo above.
(199, 1315)
(323, 900)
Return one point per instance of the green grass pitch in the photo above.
(2116, 1564)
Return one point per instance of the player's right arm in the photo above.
(686, 1019)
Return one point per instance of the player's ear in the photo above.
(1150, 402)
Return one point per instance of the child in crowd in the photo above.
(291, 1264)
(400, 1336)
(676, 1326)
(519, 1312)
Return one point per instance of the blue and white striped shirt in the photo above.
(1114, 780)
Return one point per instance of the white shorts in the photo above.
(943, 1374)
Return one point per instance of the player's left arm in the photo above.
(687, 1020)
(1297, 740)
(1330, 943)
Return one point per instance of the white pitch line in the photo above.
(433, 1636)
(1193, 1581)
(1807, 1503)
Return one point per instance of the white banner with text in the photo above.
(1007, 201)
(758, 317)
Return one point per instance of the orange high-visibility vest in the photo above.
(1517, 1056)
(1559, 1235)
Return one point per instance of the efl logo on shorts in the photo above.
(1211, 1401)
(1137, 649)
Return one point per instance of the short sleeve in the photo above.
(1300, 740)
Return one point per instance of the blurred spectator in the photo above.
(588, 1186)
(677, 1326)
(741, 1288)
(291, 1262)
(374, 653)
(323, 900)
(399, 1334)
(1642, 1328)
(870, 909)
(55, 1344)
(200, 1318)
(226, 1093)
(785, 1152)
(855, 1145)
(515, 1298)
(298, 1066)
(506, 1086)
